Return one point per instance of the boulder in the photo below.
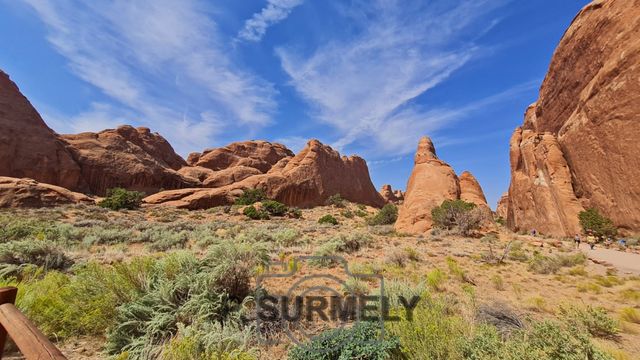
(132, 158)
(432, 181)
(28, 148)
(586, 117)
(26, 192)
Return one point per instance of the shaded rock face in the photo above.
(260, 155)
(306, 180)
(132, 158)
(470, 190)
(25, 192)
(586, 119)
(432, 181)
(28, 148)
(502, 207)
(390, 196)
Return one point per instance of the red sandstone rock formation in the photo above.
(502, 207)
(30, 193)
(127, 157)
(390, 196)
(305, 180)
(578, 147)
(432, 181)
(261, 155)
(28, 148)
(470, 190)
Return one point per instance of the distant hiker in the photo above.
(533, 232)
(591, 240)
(622, 243)
(577, 240)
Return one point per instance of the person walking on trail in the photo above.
(591, 240)
(577, 240)
(533, 232)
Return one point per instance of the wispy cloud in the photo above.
(364, 86)
(275, 11)
(164, 61)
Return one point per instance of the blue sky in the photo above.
(366, 76)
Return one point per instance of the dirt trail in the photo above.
(624, 262)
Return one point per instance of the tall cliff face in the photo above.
(578, 146)
(29, 148)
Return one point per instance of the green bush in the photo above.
(593, 222)
(336, 200)
(295, 213)
(432, 333)
(275, 208)
(251, 196)
(359, 342)
(252, 213)
(328, 219)
(457, 214)
(119, 199)
(385, 216)
(545, 340)
(592, 319)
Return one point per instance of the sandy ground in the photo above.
(626, 263)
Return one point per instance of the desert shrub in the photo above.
(542, 341)
(336, 200)
(361, 213)
(630, 314)
(359, 342)
(385, 216)
(608, 281)
(161, 239)
(295, 213)
(396, 257)
(121, 199)
(435, 279)
(412, 254)
(232, 265)
(287, 237)
(395, 289)
(541, 264)
(433, 332)
(355, 286)
(347, 214)
(517, 252)
(593, 222)
(254, 214)
(251, 196)
(43, 254)
(275, 208)
(592, 319)
(457, 214)
(351, 242)
(500, 221)
(323, 252)
(108, 236)
(211, 341)
(498, 282)
(328, 219)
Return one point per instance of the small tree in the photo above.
(386, 216)
(593, 222)
(336, 200)
(457, 214)
(328, 219)
(119, 198)
(251, 196)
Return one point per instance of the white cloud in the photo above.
(164, 61)
(275, 11)
(364, 86)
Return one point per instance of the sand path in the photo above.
(624, 262)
